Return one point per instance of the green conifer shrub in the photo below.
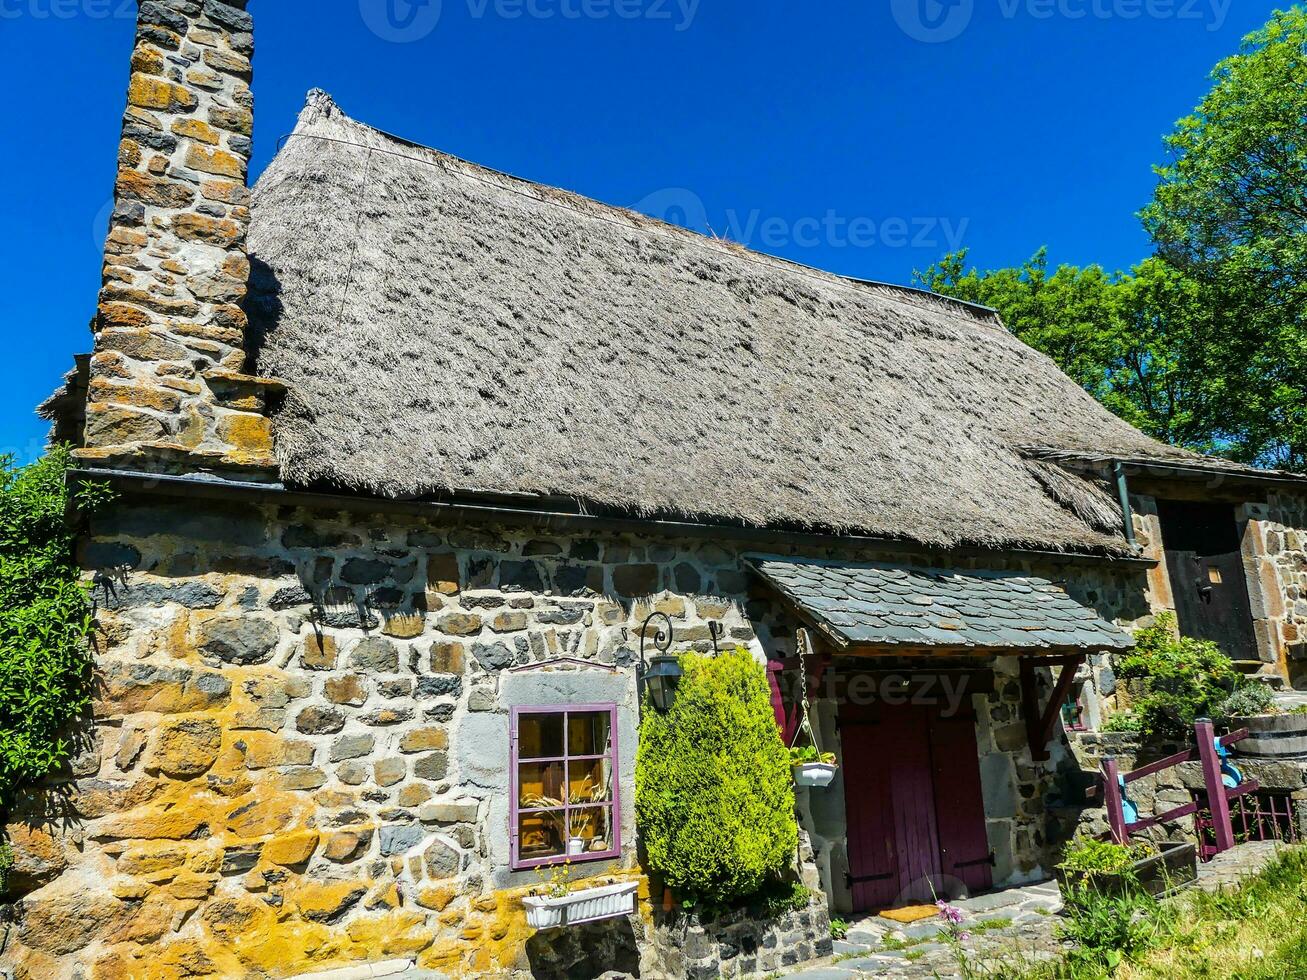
(713, 793)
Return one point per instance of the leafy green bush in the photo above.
(1125, 721)
(713, 794)
(1088, 856)
(1250, 700)
(1107, 929)
(776, 898)
(1184, 679)
(45, 619)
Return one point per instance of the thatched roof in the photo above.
(447, 328)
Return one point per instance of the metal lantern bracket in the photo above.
(661, 675)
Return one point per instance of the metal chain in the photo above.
(803, 641)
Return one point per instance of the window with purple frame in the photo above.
(565, 802)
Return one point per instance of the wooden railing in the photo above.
(1218, 794)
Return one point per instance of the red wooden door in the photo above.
(873, 855)
(916, 821)
(960, 803)
(912, 790)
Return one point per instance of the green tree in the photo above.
(1233, 200)
(1143, 343)
(713, 794)
(45, 620)
(1230, 209)
(1204, 345)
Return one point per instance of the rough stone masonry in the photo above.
(167, 379)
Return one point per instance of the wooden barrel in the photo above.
(1272, 737)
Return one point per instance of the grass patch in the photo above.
(1257, 931)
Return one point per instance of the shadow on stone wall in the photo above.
(586, 951)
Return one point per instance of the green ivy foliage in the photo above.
(1184, 679)
(45, 620)
(713, 794)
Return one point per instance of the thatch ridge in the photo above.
(444, 327)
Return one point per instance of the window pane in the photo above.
(587, 733)
(589, 782)
(590, 829)
(540, 736)
(539, 785)
(541, 836)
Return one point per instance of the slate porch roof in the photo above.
(896, 606)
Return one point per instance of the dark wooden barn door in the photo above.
(1205, 565)
(916, 820)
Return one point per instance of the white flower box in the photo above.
(584, 905)
(814, 774)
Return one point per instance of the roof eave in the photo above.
(468, 510)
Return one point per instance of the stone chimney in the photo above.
(167, 389)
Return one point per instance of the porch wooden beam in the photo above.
(1039, 724)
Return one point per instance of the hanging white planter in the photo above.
(583, 905)
(811, 766)
(817, 774)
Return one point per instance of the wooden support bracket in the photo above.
(1040, 723)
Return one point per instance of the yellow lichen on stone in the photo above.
(392, 934)
(291, 849)
(263, 815)
(148, 859)
(248, 439)
(444, 956)
(321, 901)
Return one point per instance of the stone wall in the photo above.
(298, 760)
(299, 751)
(166, 378)
(1280, 583)
(739, 945)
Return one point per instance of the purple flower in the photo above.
(949, 912)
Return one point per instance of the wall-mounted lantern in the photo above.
(663, 675)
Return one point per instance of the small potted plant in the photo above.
(812, 767)
(556, 904)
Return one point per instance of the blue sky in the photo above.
(862, 136)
